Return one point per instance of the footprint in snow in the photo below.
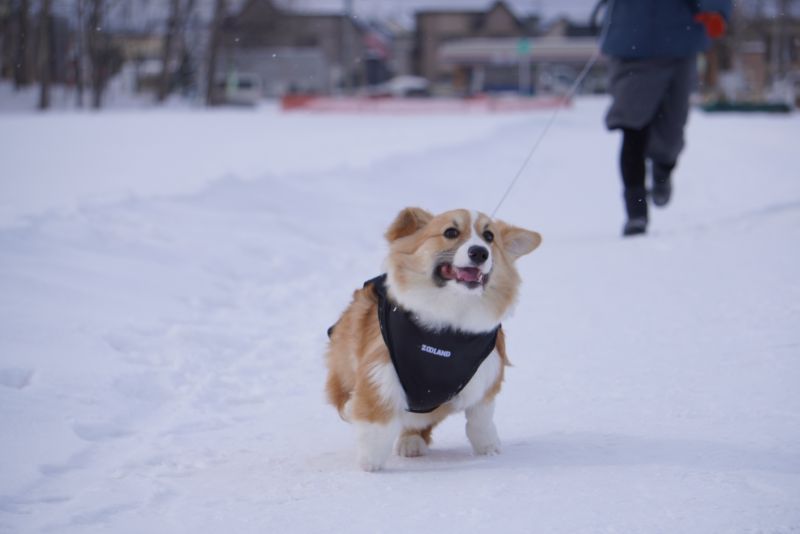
(15, 377)
(142, 387)
(99, 431)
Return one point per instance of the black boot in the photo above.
(662, 183)
(636, 208)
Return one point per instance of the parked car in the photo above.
(402, 86)
(240, 89)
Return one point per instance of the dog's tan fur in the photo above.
(416, 239)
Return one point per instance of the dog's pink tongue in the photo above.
(468, 274)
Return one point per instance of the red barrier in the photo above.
(364, 104)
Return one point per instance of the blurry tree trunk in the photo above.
(45, 57)
(170, 37)
(79, 60)
(182, 47)
(213, 51)
(186, 16)
(21, 67)
(96, 52)
(174, 44)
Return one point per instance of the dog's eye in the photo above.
(451, 233)
(488, 236)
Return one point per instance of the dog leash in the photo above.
(567, 97)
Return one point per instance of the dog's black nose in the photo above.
(478, 254)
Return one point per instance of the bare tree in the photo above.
(45, 56)
(174, 43)
(164, 83)
(21, 64)
(97, 52)
(213, 52)
(183, 41)
(80, 52)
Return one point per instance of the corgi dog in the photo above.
(424, 340)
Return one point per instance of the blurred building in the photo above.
(138, 45)
(142, 50)
(403, 41)
(293, 51)
(468, 52)
(435, 29)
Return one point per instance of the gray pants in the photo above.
(653, 93)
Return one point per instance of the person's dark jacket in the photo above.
(641, 29)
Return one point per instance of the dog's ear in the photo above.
(407, 222)
(518, 241)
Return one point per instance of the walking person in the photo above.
(653, 47)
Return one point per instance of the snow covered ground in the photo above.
(167, 278)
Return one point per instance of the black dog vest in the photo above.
(433, 366)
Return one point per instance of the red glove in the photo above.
(714, 23)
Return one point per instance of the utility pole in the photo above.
(524, 65)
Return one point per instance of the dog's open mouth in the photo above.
(472, 277)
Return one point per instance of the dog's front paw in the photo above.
(411, 446)
(371, 462)
(369, 466)
(481, 431)
(487, 449)
(375, 444)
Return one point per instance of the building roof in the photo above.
(479, 17)
(510, 50)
